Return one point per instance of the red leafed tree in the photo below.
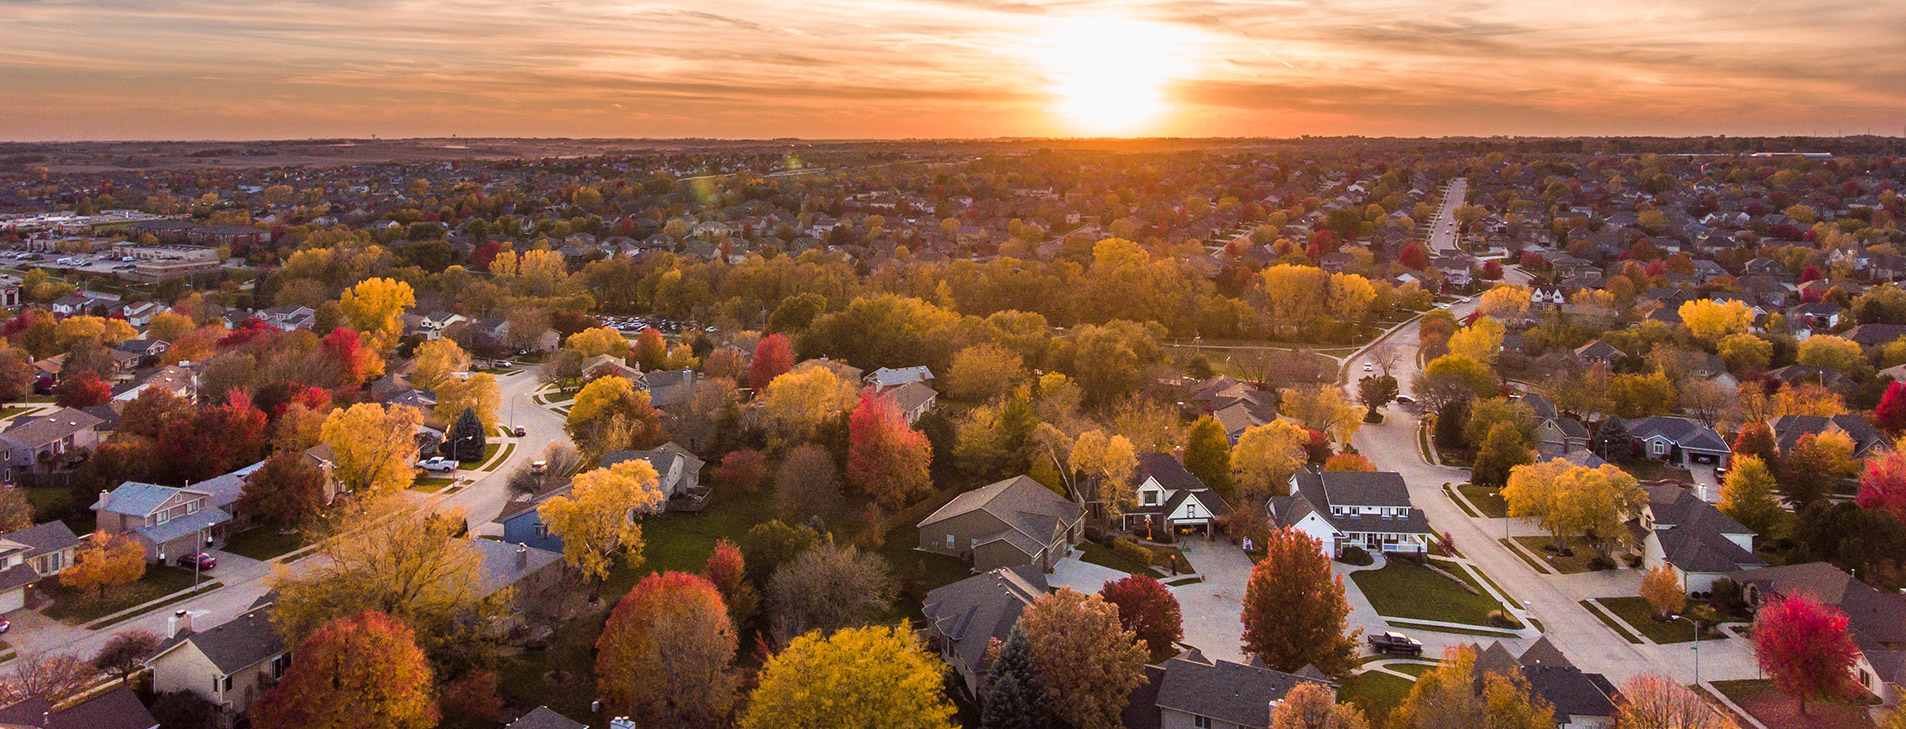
(352, 359)
(83, 390)
(1317, 449)
(364, 670)
(1883, 484)
(1148, 609)
(665, 652)
(886, 458)
(727, 571)
(471, 699)
(1414, 257)
(249, 331)
(1756, 439)
(481, 257)
(1812, 273)
(1806, 647)
(651, 351)
(742, 469)
(1891, 413)
(772, 356)
(1294, 607)
(1492, 271)
(285, 492)
(214, 441)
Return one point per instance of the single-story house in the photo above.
(1581, 700)
(913, 400)
(1005, 524)
(1191, 691)
(1169, 497)
(1700, 543)
(1678, 440)
(1867, 440)
(1876, 618)
(1368, 510)
(679, 471)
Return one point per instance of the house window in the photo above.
(1658, 448)
(950, 543)
(1201, 722)
(542, 530)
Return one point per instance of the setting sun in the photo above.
(1108, 75)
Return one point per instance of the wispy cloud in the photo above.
(854, 68)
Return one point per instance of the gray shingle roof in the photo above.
(236, 644)
(45, 429)
(137, 498)
(1223, 690)
(1684, 432)
(974, 611)
(500, 568)
(205, 518)
(1365, 488)
(43, 538)
(542, 717)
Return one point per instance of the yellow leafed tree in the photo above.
(1712, 321)
(797, 403)
(373, 307)
(599, 340)
(596, 518)
(1266, 457)
(477, 392)
(1109, 462)
(1505, 302)
(1480, 341)
(373, 448)
(436, 360)
(1324, 408)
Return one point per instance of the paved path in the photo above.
(1212, 608)
(1443, 229)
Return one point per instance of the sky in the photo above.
(278, 69)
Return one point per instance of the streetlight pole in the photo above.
(1697, 646)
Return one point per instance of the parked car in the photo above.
(1405, 400)
(437, 464)
(519, 432)
(1367, 367)
(202, 561)
(5, 625)
(1395, 644)
(538, 467)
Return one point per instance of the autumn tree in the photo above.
(982, 372)
(285, 493)
(1376, 391)
(125, 653)
(16, 512)
(1088, 661)
(1323, 408)
(437, 361)
(1890, 415)
(650, 351)
(1453, 377)
(1811, 467)
(1661, 587)
(1148, 609)
(773, 357)
(1505, 302)
(1015, 696)
(769, 545)
(1653, 701)
(104, 561)
(373, 448)
(665, 652)
(875, 677)
(1748, 494)
(1208, 457)
(1349, 462)
(373, 306)
(741, 470)
(1756, 439)
(797, 404)
(807, 485)
(1835, 353)
(593, 519)
(727, 570)
(828, 588)
(1745, 353)
(1266, 457)
(1480, 341)
(610, 414)
(1712, 320)
(364, 670)
(1294, 608)
(83, 390)
(1806, 647)
(1501, 452)
(1311, 705)
(886, 458)
(1569, 500)
(1448, 696)
(1108, 463)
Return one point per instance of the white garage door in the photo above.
(12, 600)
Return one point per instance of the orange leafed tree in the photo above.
(666, 650)
(886, 458)
(105, 560)
(1294, 608)
(364, 670)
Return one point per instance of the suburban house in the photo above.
(30, 555)
(231, 665)
(118, 708)
(667, 388)
(1581, 700)
(532, 572)
(48, 440)
(1191, 691)
(890, 377)
(1679, 529)
(913, 400)
(1236, 406)
(1867, 440)
(1680, 441)
(178, 380)
(966, 617)
(1560, 433)
(1598, 352)
(606, 365)
(679, 471)
(1370, 511)
(543, 717)
(1170, 498)
(168, 521)
(289, 318)
(1876, 618)
(1005, 524)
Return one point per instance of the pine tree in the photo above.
(1612, 442)
(467, 441)
(1015, 697)
(1208, 456)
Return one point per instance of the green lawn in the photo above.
(1485, 499)
(12, 410)
(263, 543)
(1646, 470)
(1375, 692)
(682, 542)
(1414, 669)
(1103, 556)
(432, 484)
(498, 462)
(72, 606)
(1573, 564)
(1637, 612)
(488, 450)
(51, 502)
(1776, 709)
(1612, 624)
(1409, 591)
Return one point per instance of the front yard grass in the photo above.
(1375, 692)
(1098, 554)
(432, 484)
(1776, 709)
(1486, 500)
(488, 450)
(1413, 592)
(1646, 470)
(682, 542)
(79, 607)
(1638, 613)
(1575, 563)
(50, 502)
(264, 543)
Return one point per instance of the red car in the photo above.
(201, 560)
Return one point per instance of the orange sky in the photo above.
(240, 69)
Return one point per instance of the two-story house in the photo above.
(166, 520)
(1192, 691)
(30, 555)
(1367, 510)
(46, 441)
(1699, 542)
(677, 470)
(1005, 524)
(966, 618)
(1170, 498)
(231, 665)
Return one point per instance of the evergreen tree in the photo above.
(1449, 424)
(467, 441)
(1208, 456)
(1015, 697)
(1612, 442)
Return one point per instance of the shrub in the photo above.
(1355, 556)
(1600, 563)
(1500, 619)
(1130, 550)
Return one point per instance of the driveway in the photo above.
(1081, 575)
(1212, 609)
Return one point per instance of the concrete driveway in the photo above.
(1081, 575)
(1212, 609)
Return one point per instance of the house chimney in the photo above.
(522, 556)
(180, 622)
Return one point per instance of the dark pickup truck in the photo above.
(1395, 644)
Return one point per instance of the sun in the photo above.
(1108, 75)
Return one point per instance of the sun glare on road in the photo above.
(1108, 75)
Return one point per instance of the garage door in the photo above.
(12, 600)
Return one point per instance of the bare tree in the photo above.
(828, 588)
(56, 677)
